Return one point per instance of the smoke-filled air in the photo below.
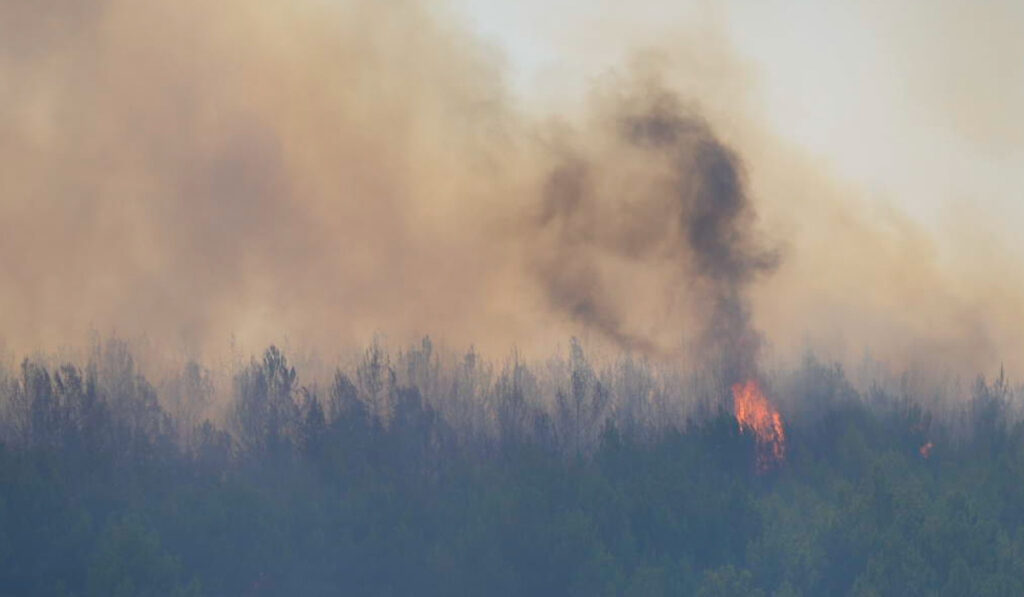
(327, 171)
(403, 297)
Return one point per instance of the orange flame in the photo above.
(755, 413)
(926, 450)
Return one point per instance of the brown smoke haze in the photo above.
(194, 172)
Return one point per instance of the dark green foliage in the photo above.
(369, 488)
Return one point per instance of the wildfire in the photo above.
(755, 413)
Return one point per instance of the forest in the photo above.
(742, 280)
(418, 472)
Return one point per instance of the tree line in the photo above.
(416, 474)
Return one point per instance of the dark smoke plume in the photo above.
(209, 178)
(697, 218)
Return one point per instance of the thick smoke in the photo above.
(694, 215)
(259, 170)
(311, 173)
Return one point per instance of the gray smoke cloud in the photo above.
(693, 215)
(311, 173)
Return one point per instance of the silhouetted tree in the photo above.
(581, 408)
(377, 381)
(265, 409)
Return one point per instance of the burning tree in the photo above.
(754, 413)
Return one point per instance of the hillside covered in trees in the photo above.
(420, 474)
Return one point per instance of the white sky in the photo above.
(918, 105)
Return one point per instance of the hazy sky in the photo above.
(512, 173)
(918, 103)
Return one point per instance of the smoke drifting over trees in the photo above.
(207, 179)
(692, 215)
(325, 171)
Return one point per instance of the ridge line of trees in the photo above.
(420, 474)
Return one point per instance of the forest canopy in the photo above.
(419, 472)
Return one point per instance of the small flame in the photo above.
(926, 450)
(755, 413)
